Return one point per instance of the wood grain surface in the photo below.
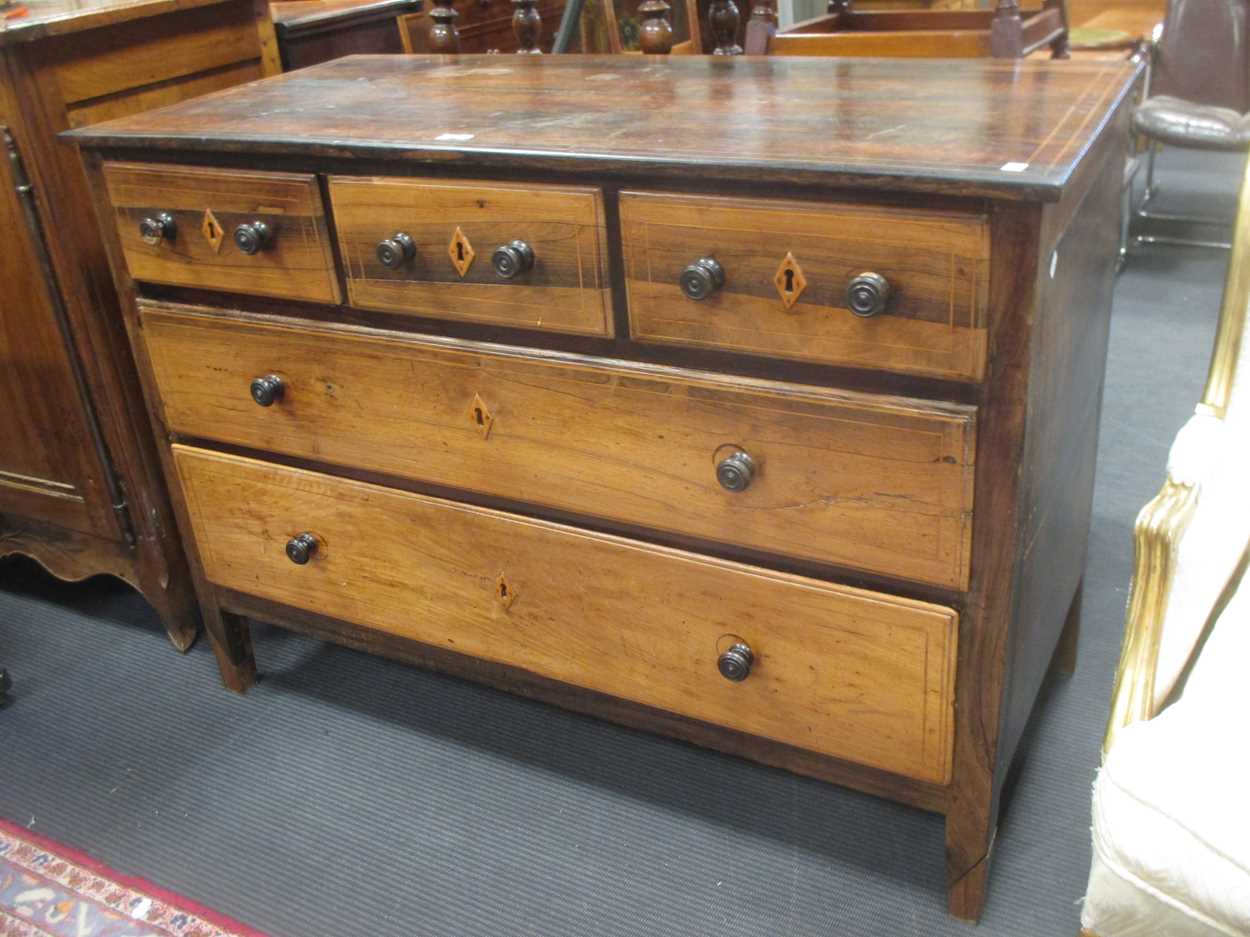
(840, 671)
(1011, 129)
(566, 291)
(937, 264)
(854, 479)
(298, 264)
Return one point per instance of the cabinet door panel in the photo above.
(48, 465)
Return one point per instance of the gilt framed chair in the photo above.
(1171, 829)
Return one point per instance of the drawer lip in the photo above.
(942, 255)
(886, 402)
(578, 302)
(728, 595)
(299, 266)
(844, 479)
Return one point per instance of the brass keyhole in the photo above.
(460, 251)
(478, 417)
(789, 281)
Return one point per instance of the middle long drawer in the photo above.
(860, 480)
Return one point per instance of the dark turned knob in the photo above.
(702, 278)
(158, 228)
(267, 390)
(511, 259)
(867, 294)
(736, 471)
(396, 250)
(735, 663)
(300, 548)
(253, 237)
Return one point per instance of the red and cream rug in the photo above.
(48, 890)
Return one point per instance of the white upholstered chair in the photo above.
(1171, 808)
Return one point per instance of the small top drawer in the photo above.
(531, 256)
(780, 278)
(262, 233)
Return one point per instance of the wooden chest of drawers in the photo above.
(765, 429)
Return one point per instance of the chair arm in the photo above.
(1157, 536)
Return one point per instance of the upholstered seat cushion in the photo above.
(1182, 123)
(1171, 818)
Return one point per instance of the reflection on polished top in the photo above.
(56, 17)
(1003, 128)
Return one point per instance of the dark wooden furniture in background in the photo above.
(480, 25)
(769, 427)
(80, 484)
(312, 31)
(1004, 32)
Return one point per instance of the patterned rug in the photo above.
(48, 890)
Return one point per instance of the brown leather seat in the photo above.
(1199, 98)
(1196, 126)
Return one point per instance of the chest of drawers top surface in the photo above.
(1002, 129)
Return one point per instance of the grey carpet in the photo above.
(350, 796)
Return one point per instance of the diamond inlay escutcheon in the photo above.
(480, 416)
(790, 281)
(505, 592)
(212, 230)
(461, 252)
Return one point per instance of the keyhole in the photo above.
(460, 251)
(478, 416)
(503, 590)
(789, 281)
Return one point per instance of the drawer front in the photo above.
(854, 674)
(877, 483)
(447, 266)
(194, 227)
(787, 268)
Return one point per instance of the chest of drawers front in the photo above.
(804, 479)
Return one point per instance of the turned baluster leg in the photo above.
(723, 18)
(1059, 47)
(527, 25)
(657, 27)
(761, 27)
(1007, 31)
(444, 37)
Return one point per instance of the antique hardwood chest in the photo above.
(752, 401)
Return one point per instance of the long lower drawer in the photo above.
(854, 479)
(854, 674)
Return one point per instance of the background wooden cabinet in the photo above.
(80, 487)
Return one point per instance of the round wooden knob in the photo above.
(512, 259)
(867, 294)
(702, 278)
(736, 471)
(735, 663)
(253, 237)
(300, 548)
(158, 228)
(267, 390)
(396, 250)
